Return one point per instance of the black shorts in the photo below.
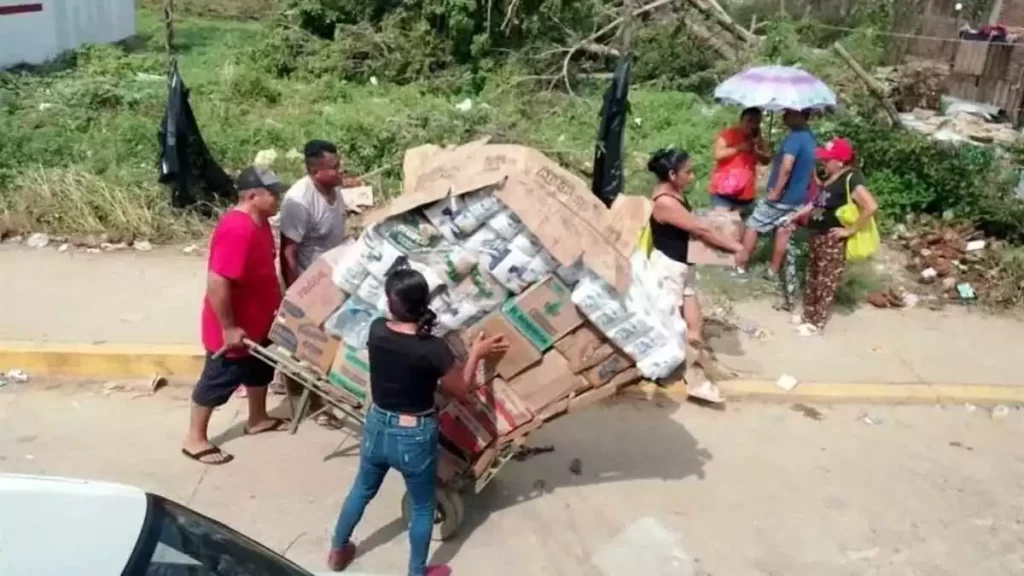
(222, 376)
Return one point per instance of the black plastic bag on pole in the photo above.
(197, 181)
(609, 176)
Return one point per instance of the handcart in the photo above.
(450, 510)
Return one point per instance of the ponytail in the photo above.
(408, 297)
(426, 323)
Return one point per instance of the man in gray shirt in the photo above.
(313, 211)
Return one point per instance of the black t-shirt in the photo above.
(830, 198)
(405, 368)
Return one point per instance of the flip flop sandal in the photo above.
(277, 424)
(328, 421)
(198, 456)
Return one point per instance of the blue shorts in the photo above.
(729, 202)
(769, 216)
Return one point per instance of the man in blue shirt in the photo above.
(788, 187)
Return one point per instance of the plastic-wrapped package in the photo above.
(371, 291)
(476, 296)
(346, 262)
(410, 233)
(457, 217)
(599, 302)
(451, 262)
(506, 224)
(571, 274)
(488, 246)
(378, 255)
(661, 362)
(352, 321)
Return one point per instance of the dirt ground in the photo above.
(753, 490)
(154, 298)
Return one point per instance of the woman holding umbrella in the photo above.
(737, 152)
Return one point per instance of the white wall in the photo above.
(36, 37)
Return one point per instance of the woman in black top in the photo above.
(401, 431)
(672, 224)
(827, 242)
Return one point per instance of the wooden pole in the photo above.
(628, 6)
(172, 58)
(876, 89)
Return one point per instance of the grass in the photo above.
(80, 136)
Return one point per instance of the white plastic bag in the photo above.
(476, 296)
(506, 224)
(352, 322)
(346, 261)
(488, 247)
(378, 255)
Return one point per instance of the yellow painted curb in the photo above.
(184, 363)
(101, 360)
(894, 393)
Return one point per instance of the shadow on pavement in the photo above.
(618, 441)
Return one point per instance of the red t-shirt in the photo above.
(242, 251)
(733, 136)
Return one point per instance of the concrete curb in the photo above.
(182, 364)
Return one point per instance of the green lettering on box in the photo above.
(526, 326)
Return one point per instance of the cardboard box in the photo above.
(544, 312)
(629, 377)
(553, 410)
(463, 430)
(314, 297)
(591, 397)
(304, 340)
(520, 355)
(607, 369)
(545, 383)
(499, 408)
(727, 223)
(584, 348)
(484, 461)
(350, 372)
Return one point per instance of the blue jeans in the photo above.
(413, 451)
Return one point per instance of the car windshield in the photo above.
(177, 541)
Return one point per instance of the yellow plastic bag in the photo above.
(646, 241)
(864, 242)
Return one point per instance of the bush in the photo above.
(911, 174)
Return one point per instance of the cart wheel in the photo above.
(448, 514)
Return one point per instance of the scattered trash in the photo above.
(796, 319)
(975, 245)
(38, 240)
(92, 250)
(807, 330)
(373, 80)
(13, 376)
(871, 420)
(527, 452)
(111, 387)
(14, 240)
(928, 275)
(970, 407)
(959, 445)
(808, 411)
(142, 245)
(576, 466)
(753, 331)
(464, 106)
(112, 247)
(786, 382)
(1000, 412)
(190, 249)
(910, 300)
(966, 291)
(64, 247)
(858, 555)
(157, 383)
(265, 157)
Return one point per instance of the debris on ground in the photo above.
(113, 246)
(142, 246)
(1000, 412)
(190, 249)
(787, 382)
(38, 240)
(956, 261)
(64, 247)
(576, 466)
(113, 386)
(890, 298)
(157, 383)
(808, 411)
(13, 376)
(871, 420)
(527, 452)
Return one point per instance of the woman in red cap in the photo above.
(843, 184)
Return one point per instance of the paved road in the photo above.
(754, 490)
(154, 298)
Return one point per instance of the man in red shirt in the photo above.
(243, 294)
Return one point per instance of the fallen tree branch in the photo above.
(590, 39)
(717, 14)
(873, 86)
(715, 42)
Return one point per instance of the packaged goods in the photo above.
(314, 296)
(546, 383)
(584, 348)
(520, 354)
(347, 267)
(378, 255)
(463, 429)
(352, 322)
(544, 313)
(474, 297)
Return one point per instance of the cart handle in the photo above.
(250, 344)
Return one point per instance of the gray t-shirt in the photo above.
(309, 220)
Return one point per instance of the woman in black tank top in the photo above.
(672, 225)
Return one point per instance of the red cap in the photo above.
(837, 149)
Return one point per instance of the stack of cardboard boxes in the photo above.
(556, 362)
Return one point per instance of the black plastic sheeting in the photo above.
(196, 180)
(609, 177)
